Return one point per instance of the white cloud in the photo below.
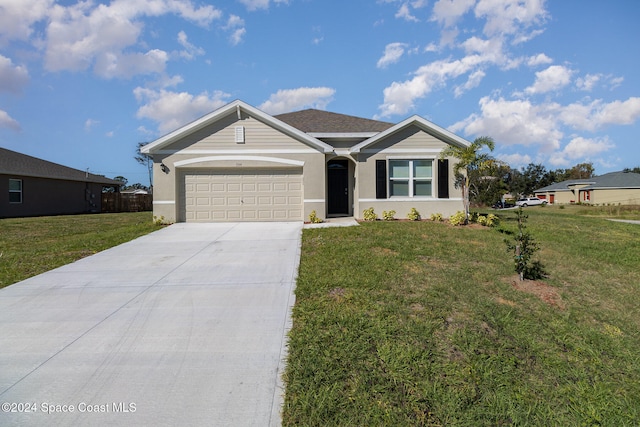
(598, 114)
(288, 100)
(581, 148)
(405, 13)
(89, 124)
(118, 65)
(17, 18)
(515, 160)
(614, 82)
(400, 96)
(553, 78)
(8, 122)
(237, 36)
(235, 24)
(82, 35)
(473, 81)
(517, 122)
(587, 82)
(618, 112)
(510, 16)
(172, 110)
(520, 122)
(539, 59)
(392, 54)
(448, 12)
(190, 51)
(252, 5)
(12, 77)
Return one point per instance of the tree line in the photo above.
(488, 179)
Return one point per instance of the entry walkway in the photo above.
(184, 326)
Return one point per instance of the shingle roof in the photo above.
(18, 164)
(318, 121)
(616, 180)
(609, 180)
(564, 185)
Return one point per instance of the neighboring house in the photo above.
(241, 164)
(31, 187)
(134, 191)
(615, 188)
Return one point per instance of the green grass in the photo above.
(30, 246)
(419, 323)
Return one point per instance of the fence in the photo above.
(118, 202)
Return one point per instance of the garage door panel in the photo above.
(256, 195)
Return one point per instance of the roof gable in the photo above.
(18, 164)
(239, 107)
(420, 123)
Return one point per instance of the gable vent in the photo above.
(239, 134)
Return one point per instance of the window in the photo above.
(15, 191)
(410, 178)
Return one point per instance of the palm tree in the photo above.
(469, 158)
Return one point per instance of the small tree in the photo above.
(523, 248)
(145, 160)
(469, 158)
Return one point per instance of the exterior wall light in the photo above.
(164, 168)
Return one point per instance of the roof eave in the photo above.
(342, 135)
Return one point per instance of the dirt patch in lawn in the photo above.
(546, 293)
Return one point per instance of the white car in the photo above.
(530, 201)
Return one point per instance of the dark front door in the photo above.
(338, 187)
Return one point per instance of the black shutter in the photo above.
(381, 179)
(443, 178)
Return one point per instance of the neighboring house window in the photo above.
(15, 191)
(410, 178)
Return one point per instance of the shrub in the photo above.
(369, 215)
(457, 218)
(524, 247)
(490, 220)
(436, 217)
(159, 220)
(313, 218)
(388, 216)
(413, 215)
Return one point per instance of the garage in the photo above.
(241, 195)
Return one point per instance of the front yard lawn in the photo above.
(421, 323)
(30, 246)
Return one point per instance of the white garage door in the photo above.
(242, 195)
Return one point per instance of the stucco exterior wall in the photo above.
(559, 197)
(615, 196)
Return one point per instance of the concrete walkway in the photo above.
(628, 221)
(185, 326)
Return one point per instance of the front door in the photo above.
(338, 187)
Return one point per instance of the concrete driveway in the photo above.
(184, 326)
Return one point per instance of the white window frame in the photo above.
(411, 179)
(15, 191)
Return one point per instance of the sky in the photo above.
(553, 82)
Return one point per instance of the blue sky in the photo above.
(553, 82)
